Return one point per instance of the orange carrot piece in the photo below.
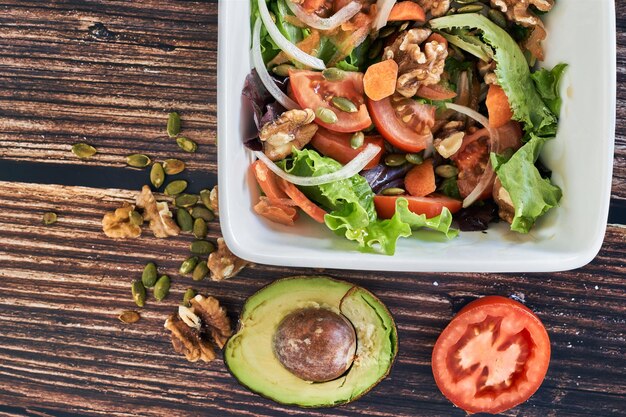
(276, 212)
(267, 180)
(498, 107)
(379, 81)
(407, 10)
(302, 201)
(420, 180)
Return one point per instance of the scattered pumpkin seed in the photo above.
(403, 26)
(393, 191)
(357, 140)
(188, 265)
(135, 218)
(386, 31)
(49, 218)
(186, 200)
(333, 74)
(149, 275)
(139, 293)
(129, 317)
(395, 159)
(173, 124)
(162, 287)
(186, 145)
(138, 160)
(497, 17)
(326, 115)
(282, 70)
(83, 150)
(189, 294)
(466, 1)
(184, 220)
(375, 49)
(414, 158)
(201, 212)
(446, 171)
(157, 175)
(344, 104)
(200, 272)
(451, 11)
(200, 228)
(470, 8)
(175, 187)
(205, 196)
(201, 247)
(173, 166)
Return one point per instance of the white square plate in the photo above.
(581, 158)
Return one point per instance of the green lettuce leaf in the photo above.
(531, 194)
(548, 85)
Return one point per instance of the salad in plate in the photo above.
(378, 118)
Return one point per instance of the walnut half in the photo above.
(117, 224)
(294, 128)
(158, 214)
(435, 7)
(223, 264)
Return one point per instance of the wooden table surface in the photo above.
(107, 73)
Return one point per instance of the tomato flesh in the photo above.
(492, 356)
(337, 146)
(431, 205)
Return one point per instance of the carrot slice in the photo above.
(407, 10)
(276, 212)
(379, 81)
(498, 107)
(267, 180)
(302, 201)
(420, 180)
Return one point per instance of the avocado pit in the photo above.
(315, 344)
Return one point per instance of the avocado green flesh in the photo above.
(250, 356)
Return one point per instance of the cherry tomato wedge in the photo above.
(405, 123)
(337, 146)
(311, 90)
(431, 205)
(492, 356)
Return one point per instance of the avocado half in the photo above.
(251, 355)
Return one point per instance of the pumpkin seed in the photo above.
(135, 218)
(175, 187)
(414, 158)
(173, 166)
(201, 212)
(184, 220)
(149, 275)
(466, 1)
(83, 150)
(386, 31)
(186, 145)
(344, 104)
(446, 171)
(138, 160)
(189, 294)
(326, 115)
(205, 196)
(129, 317)
(403, 26)
(162, 287)
(186, 200)
(333, 74)
(451, 11)
(157, 175)
(188, 265)
(173, 124)
(470, 8)
(139, 293)
(200, 228)
(282, 70)
(49, 218)
(200, 272)
(393, 191)
(201, 247)
(395, 159)
(375, 49)
(357, 140)
(497, 17)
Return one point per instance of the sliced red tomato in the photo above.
(431, 205)
(311, 90)
(405, 123)
(435, 92)
(492, 356)
(337, 146)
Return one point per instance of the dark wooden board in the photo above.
(107, 72)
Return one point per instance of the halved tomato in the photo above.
(311, 90)
(431, 205)
(404, 122)
(337, 146)
(492, 356)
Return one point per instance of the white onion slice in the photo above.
(321, 23)
(283, 43)
(488, 176)
(349, 170)
(266, 78)
(383, 10)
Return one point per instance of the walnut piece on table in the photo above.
(223, 264)
(417, 65)
(188, 341)
(213, 318)
(294, 128)
(117, 224)
(158, 214)
(435, 7)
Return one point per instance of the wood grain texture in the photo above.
(107, 72)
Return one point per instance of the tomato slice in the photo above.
(431, 205)
(492, 356)
(405, 123)
(337, 146)
(435, 92)
(311, 90)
